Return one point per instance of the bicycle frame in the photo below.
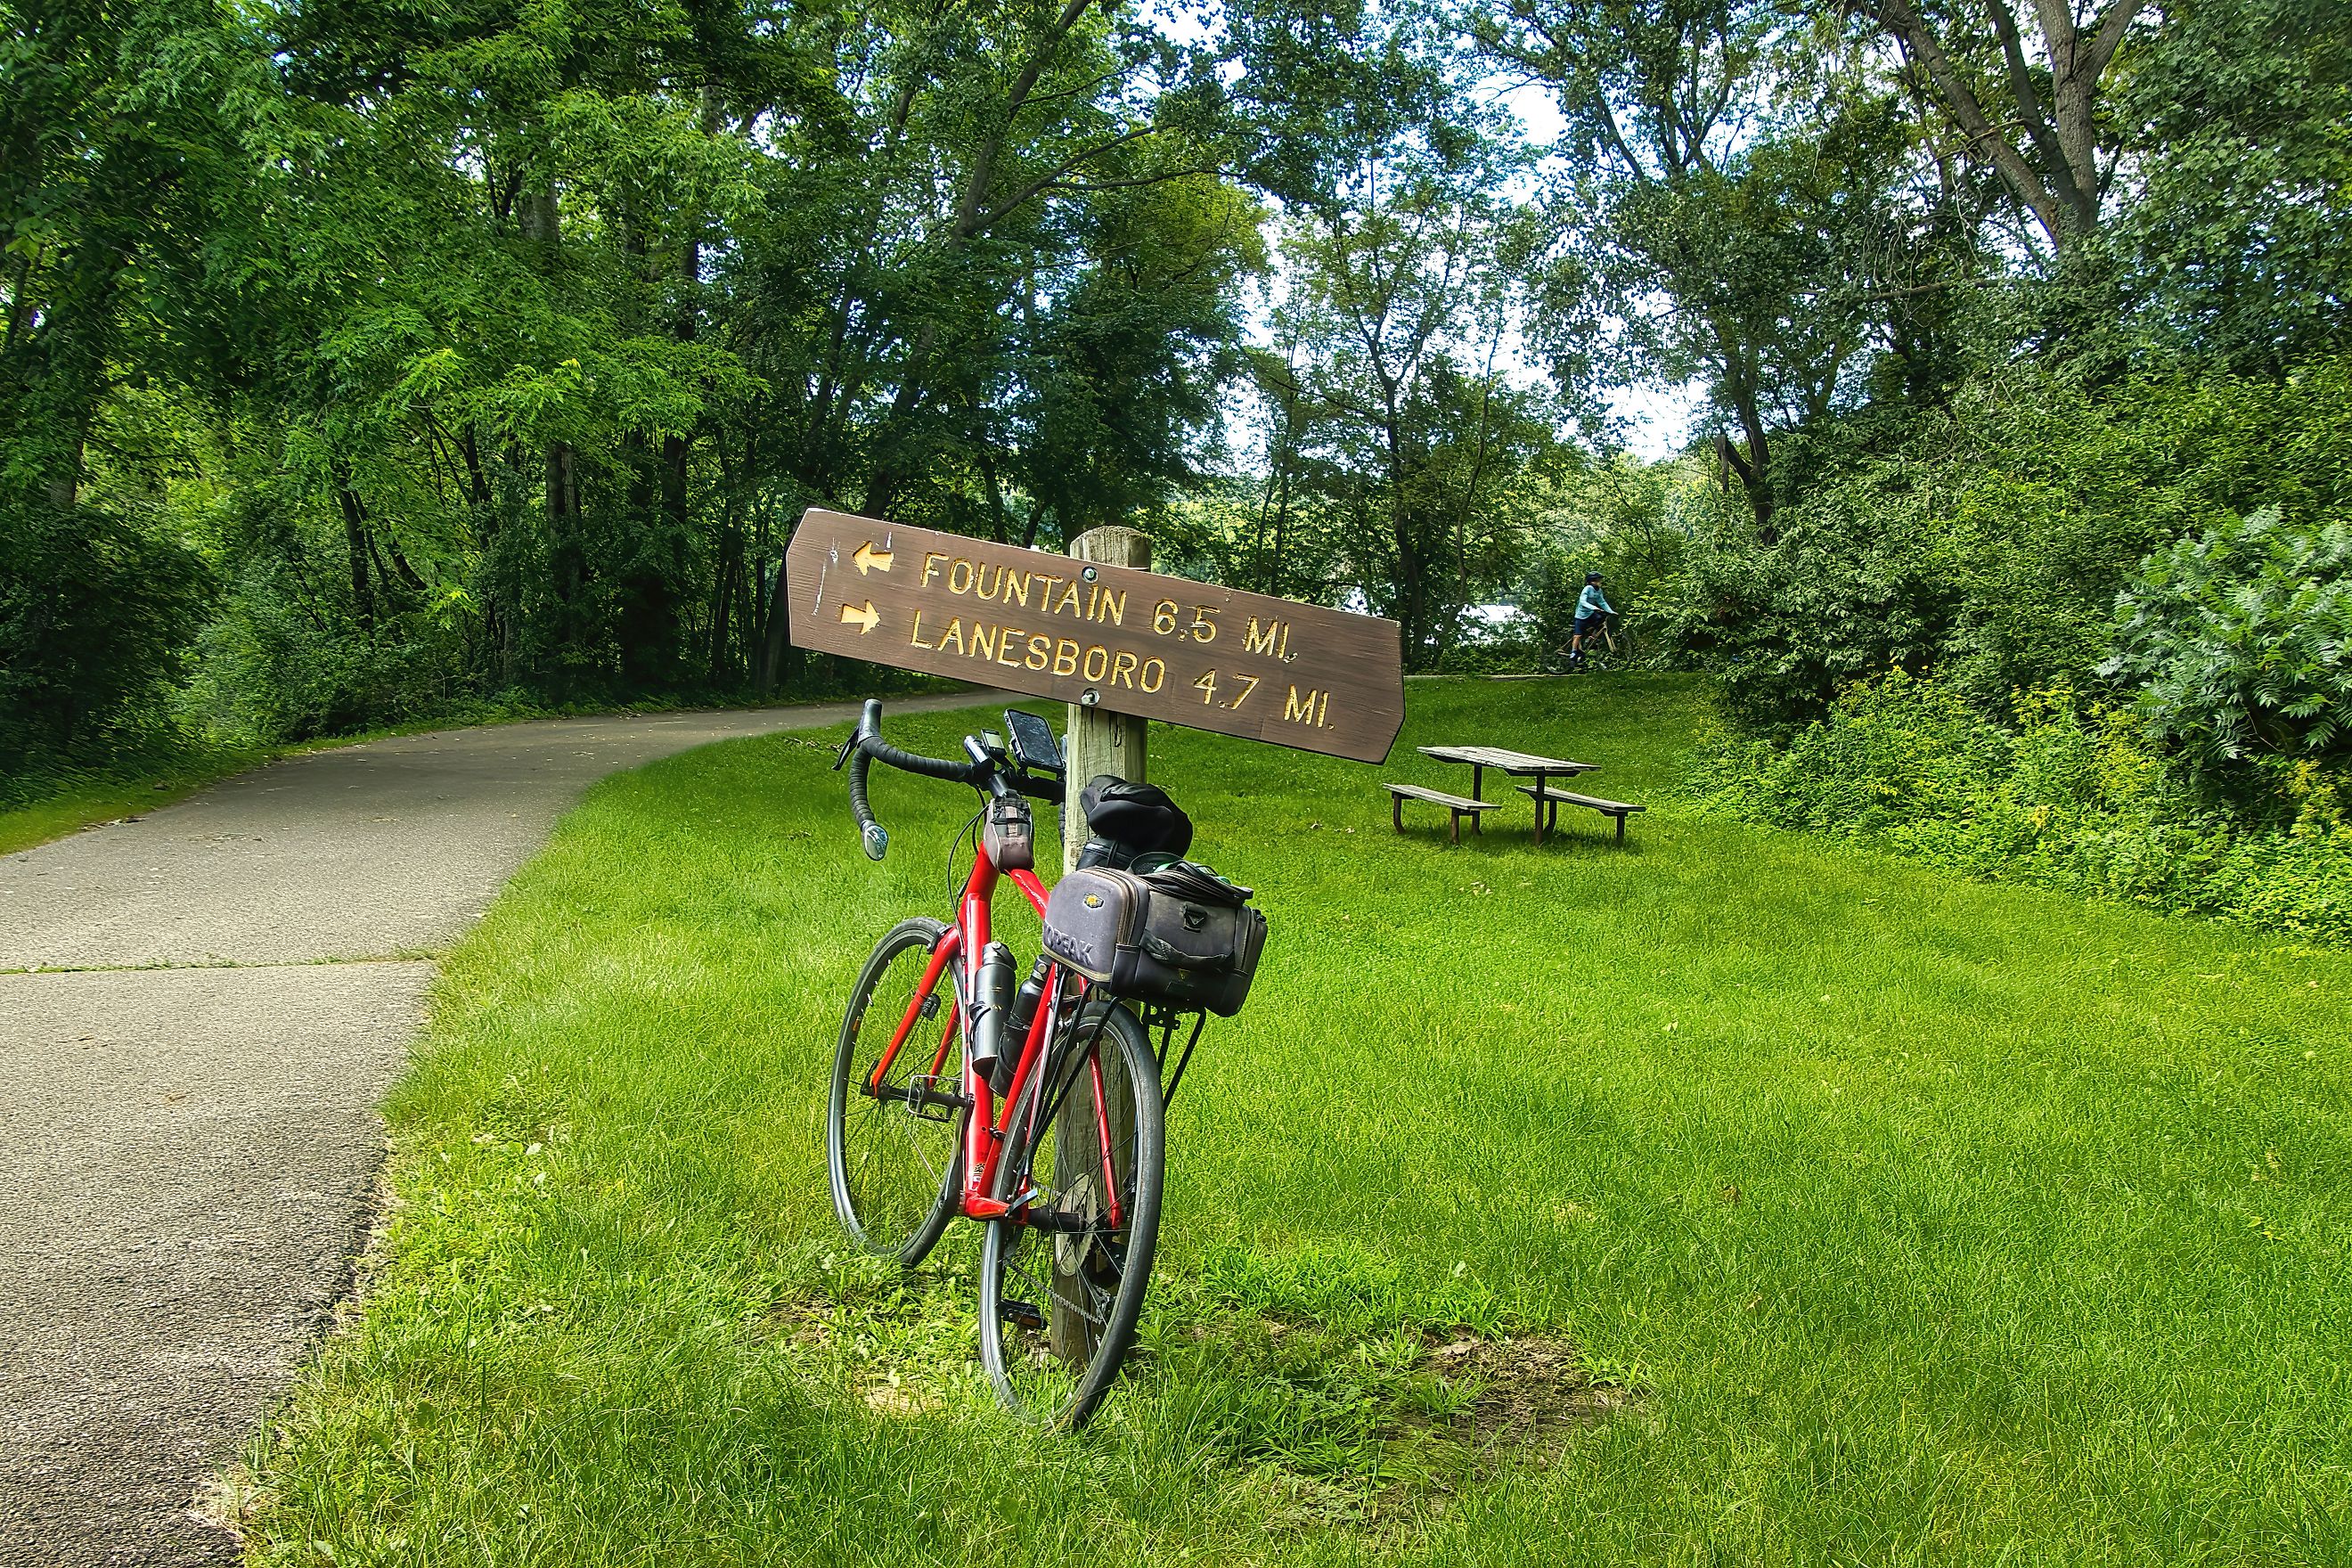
(984, 1135)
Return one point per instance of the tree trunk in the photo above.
(777, 660)
(356, 545)
(542, 224)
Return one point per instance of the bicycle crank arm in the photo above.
(891, 1093)
(1059, 1222)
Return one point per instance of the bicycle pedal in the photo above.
(1021, 1315)
(926, 1101)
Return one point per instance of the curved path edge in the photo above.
(199, 1011)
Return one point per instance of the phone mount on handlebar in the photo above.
(1034, 745)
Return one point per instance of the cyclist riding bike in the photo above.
(1593, 608)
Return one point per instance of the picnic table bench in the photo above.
(1548, 798)
(1400, 793)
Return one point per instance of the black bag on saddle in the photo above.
(1129, 820)
(1180, 936)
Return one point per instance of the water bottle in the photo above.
(991, 1000)
(1024, 1013)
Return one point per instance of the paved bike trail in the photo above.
(199, 1009)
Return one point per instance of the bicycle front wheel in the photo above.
(894, 1119)
(1062, 1281)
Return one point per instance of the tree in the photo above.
(2236, 249)
(1399, 305)
(127, 139)
(1734, 208)
(2039, 116)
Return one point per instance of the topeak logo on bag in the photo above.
(1065, 945)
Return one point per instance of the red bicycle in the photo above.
(1036, 1109)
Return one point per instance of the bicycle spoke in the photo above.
(1063, 1281)
(894, 1142)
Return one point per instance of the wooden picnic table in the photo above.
(1518, 765)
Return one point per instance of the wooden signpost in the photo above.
(1098, 634)
(1120, 645)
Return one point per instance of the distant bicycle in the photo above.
(1615, 647)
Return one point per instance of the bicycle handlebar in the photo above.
(865, 747)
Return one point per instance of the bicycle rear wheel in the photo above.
(894, 1132)
(1062, 1285)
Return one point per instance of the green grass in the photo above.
(1913, 1220)
(69, 804)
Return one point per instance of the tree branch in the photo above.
(1898, 17)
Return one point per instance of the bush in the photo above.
(2239, 642)
(275, 668)
(97, 610)
(2070, 797)
(1857, 583)
(1991, 545)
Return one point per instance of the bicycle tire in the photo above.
(895, 1179)
(1085, 1287)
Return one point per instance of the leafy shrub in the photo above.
(2067, 796)
(97, 608)
(2239, 641)
(276, 666)
(1990, 546)
(1854, 585)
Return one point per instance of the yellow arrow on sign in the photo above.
(869, 559)
(865, 617)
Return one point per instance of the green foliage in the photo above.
(2238, 252)
(1393, 422)
(2239, 641)
(2066, 796)
(1744, 203)
(519, 336)
(272, 670)
(1849, 588)
(1990, 545)
(97, 611)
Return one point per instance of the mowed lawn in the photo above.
(1893, 1220)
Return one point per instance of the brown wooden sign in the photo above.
(1110, 637)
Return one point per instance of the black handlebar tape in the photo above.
(882, 751)
(870, 833)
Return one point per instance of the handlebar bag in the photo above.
(1182, 936)
(1010, 835)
